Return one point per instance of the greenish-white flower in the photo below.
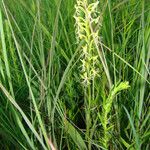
(87, 21)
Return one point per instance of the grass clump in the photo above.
(65, 72)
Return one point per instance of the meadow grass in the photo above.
(74, 74)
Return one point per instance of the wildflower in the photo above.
(86, 19)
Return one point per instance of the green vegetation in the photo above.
(74, 74)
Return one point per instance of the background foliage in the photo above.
(43, 102)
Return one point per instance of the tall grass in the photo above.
(74, 74)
